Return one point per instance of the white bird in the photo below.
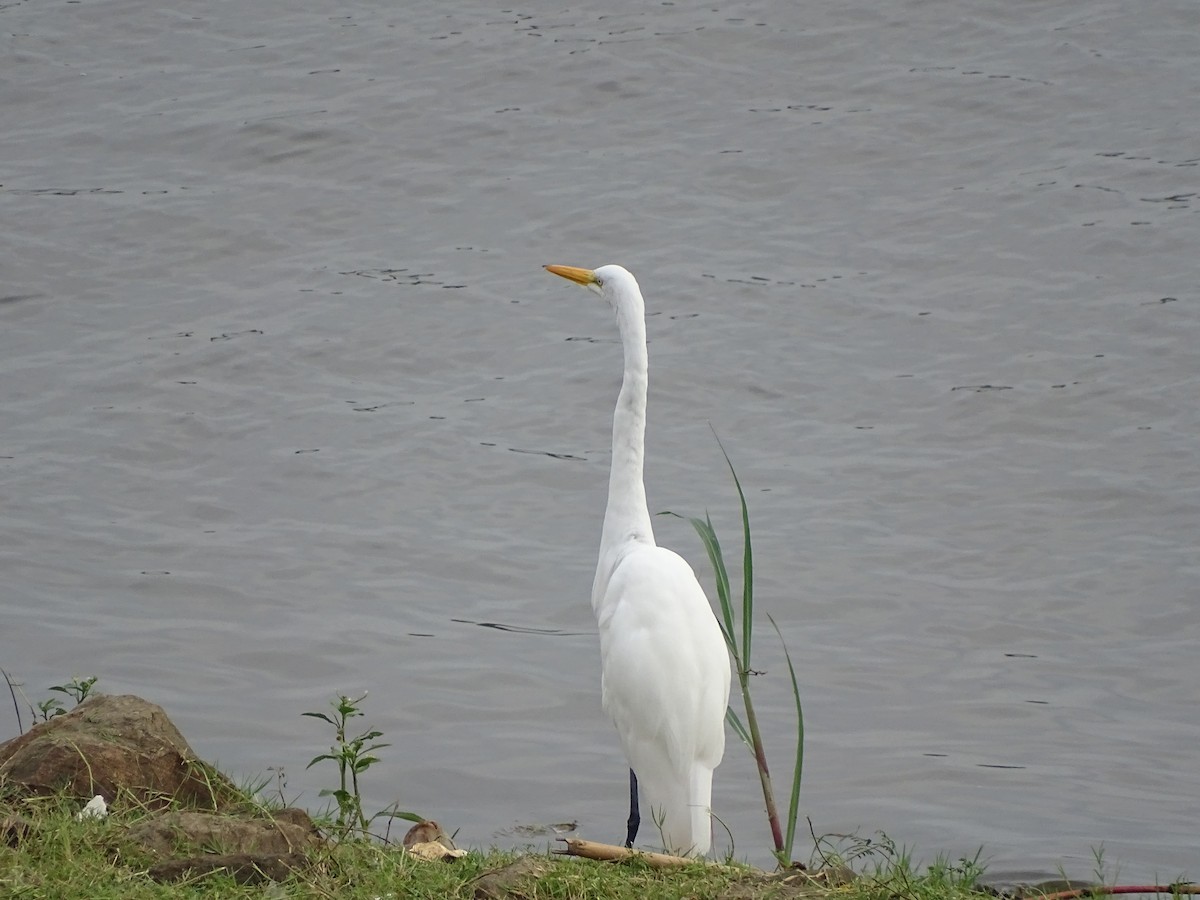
(664, 666)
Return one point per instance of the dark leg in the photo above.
(635, 818)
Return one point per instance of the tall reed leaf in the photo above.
(740, 644)
(798, 767)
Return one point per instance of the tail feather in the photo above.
(681, 814)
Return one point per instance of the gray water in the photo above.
(289, 408)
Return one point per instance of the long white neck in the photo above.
(627, 518)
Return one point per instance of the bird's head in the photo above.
(610, 282)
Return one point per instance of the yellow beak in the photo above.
(575, 274)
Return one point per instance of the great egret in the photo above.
(664, 666)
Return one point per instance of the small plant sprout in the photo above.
(49, 708)
(353, 756)
(77, 688)
(738, 631)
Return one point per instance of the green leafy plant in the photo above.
(737, 626)
(353, 756)
(49, 708)
(77, 688)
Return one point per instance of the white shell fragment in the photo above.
(96, 809)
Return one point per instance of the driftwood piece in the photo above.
(613, 853)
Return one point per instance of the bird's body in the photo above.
(663, 687)
(664, 667)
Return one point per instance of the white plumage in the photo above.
(664, 666)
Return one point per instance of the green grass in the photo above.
(48, 854)
(62, 858)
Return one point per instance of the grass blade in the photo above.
(735, 723)
(747, 576)
(708, 537)
(798, 768)
(747, 562)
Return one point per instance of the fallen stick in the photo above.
(613, 853)
(1100, 891)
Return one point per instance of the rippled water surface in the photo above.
(288, 406)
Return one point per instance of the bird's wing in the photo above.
(665, 666)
